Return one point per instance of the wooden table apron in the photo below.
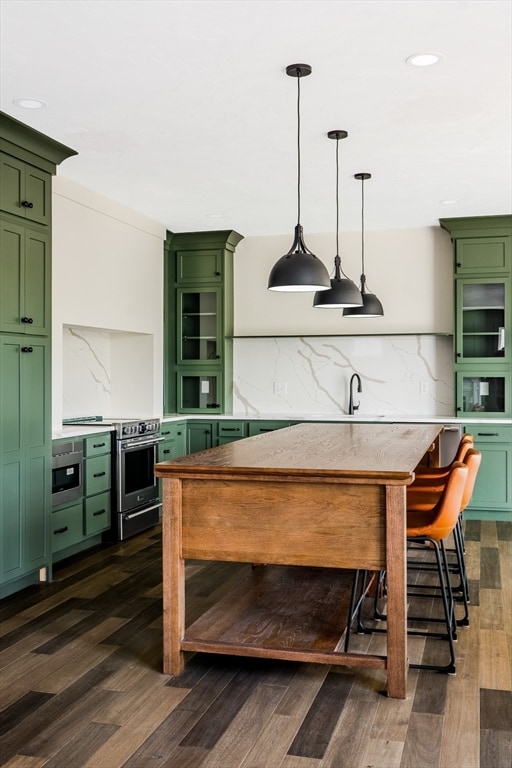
(327, 495)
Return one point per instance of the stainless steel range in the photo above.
(135, 488)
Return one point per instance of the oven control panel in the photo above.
(140, 428)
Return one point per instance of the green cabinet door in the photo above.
(25, 465)
(199, 266)
(25, 280)
(477, 255)
(199, 326)
(200, 435)
(25, 191)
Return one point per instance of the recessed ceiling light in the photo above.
(424, 59)
(29, 103)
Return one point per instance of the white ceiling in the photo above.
(183, 111)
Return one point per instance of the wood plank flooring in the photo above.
(81, 683)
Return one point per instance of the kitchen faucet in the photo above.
(351, 406)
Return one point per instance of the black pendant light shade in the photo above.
(371, 306)
(299, 269)
(342, 292)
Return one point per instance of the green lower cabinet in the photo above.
(260, 427)
(66, 527)
(229, 431)
(97, 514)
(174, 444)
(200, 436)
(25, 460)
(492, 495)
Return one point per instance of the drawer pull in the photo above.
(167, 450)
(99, 445)
(27, 204)
(230, 429)
(488, 434)
(61, 530)
(28, 320)
(166, 433)
(27, 349)
(99, 512)
(99, 474)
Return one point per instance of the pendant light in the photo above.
(371, 305)
(343, 292)
(299, 269)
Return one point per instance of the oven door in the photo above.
(136, 482)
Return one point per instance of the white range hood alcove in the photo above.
(106, 373)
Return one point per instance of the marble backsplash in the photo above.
(400, 375)
(110, 374)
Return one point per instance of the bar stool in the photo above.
(433, 526)
(422, 497)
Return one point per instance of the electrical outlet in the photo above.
(280, 388)
(424, 388)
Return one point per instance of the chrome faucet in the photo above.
(352, 406)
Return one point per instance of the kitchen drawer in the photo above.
(97, 513)
(97, 444)
(171, 430)
(259, 427)
(490, 433)
(66, 527)
(232, 429)
(168, 450)
(97, 475)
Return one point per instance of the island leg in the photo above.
(173, 578)
(396, 567)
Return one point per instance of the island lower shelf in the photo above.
(281, 612)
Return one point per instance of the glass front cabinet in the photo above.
(483, 314)
(199, 321)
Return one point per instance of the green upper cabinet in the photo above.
(483, 314)
(25, 279)
(199, 321)
(200, 266)
(25, 191)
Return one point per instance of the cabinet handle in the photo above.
(27, 349)
(27, 204)
(459, 264)
(167, 450)
(217, 274)
(459, 354)
(213, 405)
(179, 433)
(99, 512)
(488, 434)
(61, 530)
(99, 474)
(230, 429)
(166, 433)
(99, 445)
(27, 320)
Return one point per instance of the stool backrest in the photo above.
(447, 510)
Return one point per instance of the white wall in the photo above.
(410, 270)
(108, 320)
(107, 294)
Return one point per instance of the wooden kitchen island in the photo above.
(307, 498)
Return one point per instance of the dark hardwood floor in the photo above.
(81, 682)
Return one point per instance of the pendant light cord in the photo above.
(298, 147)
(362, 226)
(337, 199)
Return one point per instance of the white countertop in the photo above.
(72, 430)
